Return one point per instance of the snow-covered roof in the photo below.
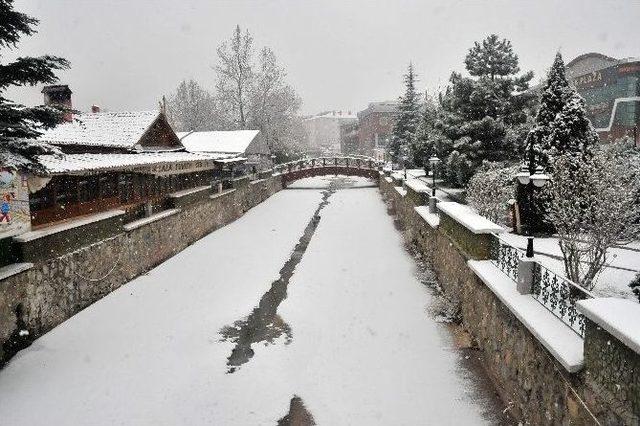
(79, 163)
(105, 129)
(231, 141)
(337, 115)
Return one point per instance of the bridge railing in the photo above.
(357, 162)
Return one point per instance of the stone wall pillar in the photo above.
(433, 201)
(525, 275)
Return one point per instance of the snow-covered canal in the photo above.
(236, 329)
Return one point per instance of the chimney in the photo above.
(95, 108)
(59, 95)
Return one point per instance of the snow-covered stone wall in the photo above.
(34, 301)
(530, 380)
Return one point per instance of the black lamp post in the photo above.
(531, 176)
(433, 161)
(404, 163)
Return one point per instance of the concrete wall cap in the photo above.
(617, 316)
(469, 219)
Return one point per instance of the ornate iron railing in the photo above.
(355, 161)
(505, 257)
(559, 296)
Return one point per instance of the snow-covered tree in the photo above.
(593, 207)
(274, 104)
(20, 125)
(407, 120)
(192, 108)
(491, 188)
(635, 286)
(235, 76)
(255, 94)
(485, 115)
(492, 58)
(425, 143)
(561, 127)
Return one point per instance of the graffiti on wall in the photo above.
(15, 216)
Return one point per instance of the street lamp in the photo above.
(433, 161)
(531, 176)
(404, 163)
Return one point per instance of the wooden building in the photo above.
(127, 160)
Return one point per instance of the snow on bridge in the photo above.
(361, 166)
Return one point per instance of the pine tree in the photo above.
(561, 128)
(20, 125)
(406, 125)
(484, 115)
(492, 58)
(561, 124)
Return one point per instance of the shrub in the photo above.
(490, 189)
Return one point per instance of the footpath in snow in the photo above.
(319, 301)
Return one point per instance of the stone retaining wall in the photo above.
(530, 381)
(53, 290)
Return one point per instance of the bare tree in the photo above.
(192, 108)
(274, 104)
(593, 207)
(235, 76)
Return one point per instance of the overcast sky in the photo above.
(126, 54)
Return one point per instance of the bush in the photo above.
(490, 189)
(458, 170)
(635, 286)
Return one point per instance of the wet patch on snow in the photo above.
(264, 325)
(298, 414)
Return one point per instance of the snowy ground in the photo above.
(622, 266)
(351, 338)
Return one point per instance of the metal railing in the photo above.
(356, 162)
(559, 295)
(505, 257)
(553, 291)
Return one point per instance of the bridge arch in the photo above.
(325, 166)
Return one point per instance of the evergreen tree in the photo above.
(492, 58)
(20, 125)
(635, 286)
(561, 128)
(561, 125)
(404, 130)
(485, 116)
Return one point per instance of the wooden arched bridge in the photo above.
(323, 166)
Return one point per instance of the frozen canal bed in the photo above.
(308, 301)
